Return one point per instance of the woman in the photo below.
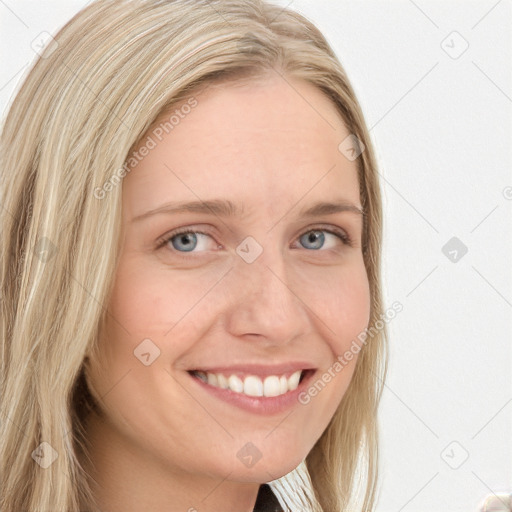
(191, 235)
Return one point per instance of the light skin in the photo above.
(164, 444)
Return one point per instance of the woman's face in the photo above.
(253, 290)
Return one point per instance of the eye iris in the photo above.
(316, 237)
(184, 236)
(188, 241)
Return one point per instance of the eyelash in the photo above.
(342, 235)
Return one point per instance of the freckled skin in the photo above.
(164, 443)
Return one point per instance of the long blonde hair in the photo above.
(90, 97)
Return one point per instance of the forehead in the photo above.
(274, 139)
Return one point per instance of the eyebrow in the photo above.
(226, 208)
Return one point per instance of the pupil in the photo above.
(184, 242)
(315, 237)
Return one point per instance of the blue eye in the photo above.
(317, 238)
(187, 240)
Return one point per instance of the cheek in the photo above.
(163, 305)
(148, 299)
(150, 303)
(342, 310)
(353, 307)
(341, 301)
(136, 312)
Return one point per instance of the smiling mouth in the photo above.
(252, 385)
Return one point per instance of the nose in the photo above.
(264, 300)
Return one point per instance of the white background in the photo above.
(442, 130)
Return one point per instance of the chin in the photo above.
(258, 468)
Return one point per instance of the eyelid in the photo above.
(341, 233)
(335, 230)
(163, 240)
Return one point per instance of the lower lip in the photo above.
(262, 405)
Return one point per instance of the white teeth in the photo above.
(222, 381)
(252, 385)
(271, 386)
(212, 379)
(283, 385)
(235, 384)
(293, 381)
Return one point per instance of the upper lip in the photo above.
(259, 370)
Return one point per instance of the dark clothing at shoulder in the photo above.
(266, 500)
